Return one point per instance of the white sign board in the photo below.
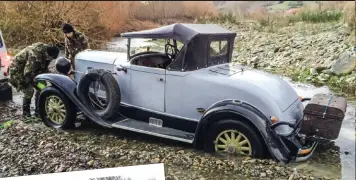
(141, 172)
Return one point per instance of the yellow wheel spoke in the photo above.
(241, 152)
(58, 118)
(243, 142)
(53, 115)
(245, 148)
(238, 138)
(62, 116)
(233, 136)
(227, 137)
(222, 140)
(222, 146)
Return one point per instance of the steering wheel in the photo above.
(171, 54)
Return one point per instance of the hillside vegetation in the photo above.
(26, 22)
(316, 44)
(310, 39)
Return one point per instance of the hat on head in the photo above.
(67, 28)
(53, 51)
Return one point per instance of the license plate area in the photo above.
(155, 122)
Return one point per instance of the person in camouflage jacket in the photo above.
(75, 42)
(26, 65)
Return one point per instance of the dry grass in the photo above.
(194, 9)
(349, 14)
(158, 11)
(26, 22)
(323, 11)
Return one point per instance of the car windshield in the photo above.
(155, 45)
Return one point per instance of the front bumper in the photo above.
(296, 147)
(305, 153)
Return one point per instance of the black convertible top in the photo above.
(180, 32)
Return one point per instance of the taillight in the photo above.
(6, 74)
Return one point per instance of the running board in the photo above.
(145, 128)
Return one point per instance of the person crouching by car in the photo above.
(26, 65)
(75, 42)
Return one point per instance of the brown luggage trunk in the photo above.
(323, 116)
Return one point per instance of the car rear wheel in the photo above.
(55, 109)
(232, 137)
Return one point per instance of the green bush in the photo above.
(320, 16)
(295, 4)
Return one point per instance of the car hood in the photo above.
(272, 85)
(102, 56)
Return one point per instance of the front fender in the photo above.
(260, 122)
(68, 87)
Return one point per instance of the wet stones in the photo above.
(345, 64)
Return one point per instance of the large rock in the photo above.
(345, 64)
(253, 61)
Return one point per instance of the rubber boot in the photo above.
(26, 105)
(37, 94)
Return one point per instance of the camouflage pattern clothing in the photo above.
(78, 42)
(27, 64)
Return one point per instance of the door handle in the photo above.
(160, 79)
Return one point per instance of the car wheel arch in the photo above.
(54, 84)
(245, 113)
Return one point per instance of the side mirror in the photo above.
(121, 68)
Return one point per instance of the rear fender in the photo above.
(68, 87)
(254, 117)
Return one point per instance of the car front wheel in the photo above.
(232, 137)
(55, 109)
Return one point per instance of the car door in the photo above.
(148, 87)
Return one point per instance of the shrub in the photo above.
(26, 22)
(349, 14)
(320, 16)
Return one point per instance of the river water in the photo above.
(336, 164)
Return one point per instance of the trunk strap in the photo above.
(326, 107)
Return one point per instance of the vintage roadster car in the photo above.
(193, 94)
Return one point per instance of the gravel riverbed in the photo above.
(32, 148)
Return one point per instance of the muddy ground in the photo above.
(32, 148)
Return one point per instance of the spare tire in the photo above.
(112, 89)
